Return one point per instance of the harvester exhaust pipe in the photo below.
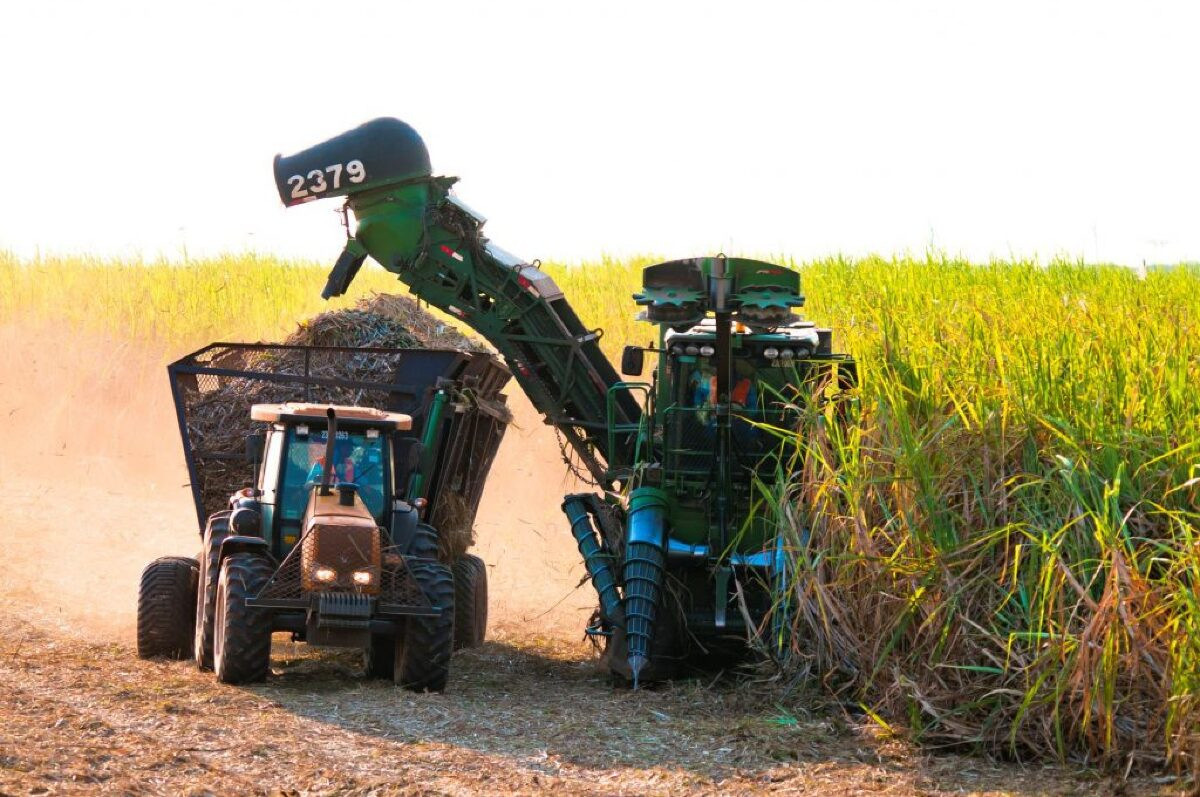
(594, 559)
(645, 560)
(327, 467)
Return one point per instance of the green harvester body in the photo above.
(683, 540)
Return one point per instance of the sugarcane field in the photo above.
(831, 428)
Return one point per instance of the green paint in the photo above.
(429, 443)
(663, 458)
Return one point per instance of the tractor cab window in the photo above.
(357, 458)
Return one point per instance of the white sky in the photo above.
(578, 128)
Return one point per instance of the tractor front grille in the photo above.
(397, 593)
(349, 549)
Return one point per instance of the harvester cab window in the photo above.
(358, 457)
(701, 391)
(690, 426)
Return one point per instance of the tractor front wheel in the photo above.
(470, 602)
(422, 658)
(166, 596)
(241, 633)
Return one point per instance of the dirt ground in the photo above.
(95, 487)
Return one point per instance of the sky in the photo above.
(1043, 129)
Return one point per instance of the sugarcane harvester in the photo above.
(679, 543)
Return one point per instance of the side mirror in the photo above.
(255, 443)
(632, 359)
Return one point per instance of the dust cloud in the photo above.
(96, 487)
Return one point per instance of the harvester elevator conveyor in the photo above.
(520, 310)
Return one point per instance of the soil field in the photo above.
(94, 487)
(523, 715)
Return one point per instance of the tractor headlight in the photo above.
(786, 354)
(770, 352)
(707, 351)
(692, 351)
(331, 553)
(362, 577)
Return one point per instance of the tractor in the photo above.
(329, 541)
(687, 560)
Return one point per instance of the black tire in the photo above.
(379, 658)
(424, 542)
(215, 532)
(242, 641)
(165, 617)
(470, 601)
(423, 651)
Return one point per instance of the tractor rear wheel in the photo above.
(470, 601)
(423, 651)
(424, 542)
(242, 633)
(166, 597)
(215, 532)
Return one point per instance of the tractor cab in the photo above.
(299, 457)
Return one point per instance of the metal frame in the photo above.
(466, 370)
(310, 599)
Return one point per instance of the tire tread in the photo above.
(246, 644)
(164, 618)
(423, 651)
(470, 601)
(215, 531)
